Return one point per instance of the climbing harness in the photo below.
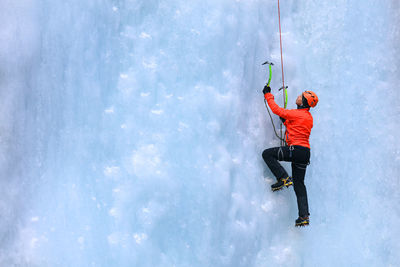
(280, 153)
(291, 148)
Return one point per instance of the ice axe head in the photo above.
(267, 62)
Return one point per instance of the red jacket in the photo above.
(298, 122)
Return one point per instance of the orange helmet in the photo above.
(310, 98)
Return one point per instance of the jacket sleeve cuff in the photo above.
(268, 96)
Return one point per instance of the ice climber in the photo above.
(298, 124)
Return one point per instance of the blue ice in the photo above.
(131, 133)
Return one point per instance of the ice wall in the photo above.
(19, 57)
(132, 132)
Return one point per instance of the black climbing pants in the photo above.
(300, 157)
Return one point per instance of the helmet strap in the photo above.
(304, 101)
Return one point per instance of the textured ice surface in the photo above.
(131, 133)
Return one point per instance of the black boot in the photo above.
(302, 221)
(288, 181)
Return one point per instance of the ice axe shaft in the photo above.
(285, 95)
(270, 64)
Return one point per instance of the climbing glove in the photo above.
(266, 89)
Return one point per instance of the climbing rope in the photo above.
(285, 96)
(280, 41)
(283, 76)
(273, 125)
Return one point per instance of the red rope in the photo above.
(283, 77)
(280, 38)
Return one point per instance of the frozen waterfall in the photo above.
(131, 133)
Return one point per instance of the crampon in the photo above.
(302, 221)
(288, 181)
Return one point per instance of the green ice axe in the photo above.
(270, 71)
(286, 97)
(269, 81)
